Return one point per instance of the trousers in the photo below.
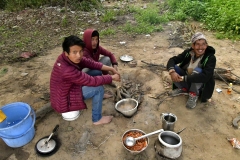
(191, 87)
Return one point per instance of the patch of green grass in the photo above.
(27, 40)
(141, 28)
(150, 16)
(64, 22)
(3, 71)
(108, 32)
(147, 20)
(19, 44)
(109, 15)
(2, 28)
(182, 9)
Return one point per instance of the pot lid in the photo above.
(46, 147)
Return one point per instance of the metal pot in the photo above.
(135, 130)
(170, 144)
(127, 106)
(168, 121)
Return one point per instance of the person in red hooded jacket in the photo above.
(69, 86)
(93, 51)
(97, 53)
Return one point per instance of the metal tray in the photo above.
(126, 58)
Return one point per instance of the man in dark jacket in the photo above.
(192, 71)
(69, 86)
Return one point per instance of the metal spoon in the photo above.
(130, 141)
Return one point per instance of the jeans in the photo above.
(191, 87)
(104, 60)
(96, 93)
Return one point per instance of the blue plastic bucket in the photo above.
(18, 128)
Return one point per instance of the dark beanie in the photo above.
(95, 33)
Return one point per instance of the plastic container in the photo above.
(71, 116)
(18, 128)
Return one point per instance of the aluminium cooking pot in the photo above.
(170, 144)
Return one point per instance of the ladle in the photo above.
(130, 141)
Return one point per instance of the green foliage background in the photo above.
(222, 16)
(17, 5)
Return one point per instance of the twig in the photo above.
(221, 77)
(235, 75)
(162, 101)
(150, 64)
(227, 82)
(161, 94)
(102, 142)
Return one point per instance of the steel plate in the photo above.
(126, 58)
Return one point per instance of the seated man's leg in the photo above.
(179, 70)
(194, 91)
(182, 87)
(97, 94)
(106, 61)
(92, 72)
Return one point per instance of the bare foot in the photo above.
(104, 120)
(106, 95)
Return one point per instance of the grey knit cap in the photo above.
(198, 36)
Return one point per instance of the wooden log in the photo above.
(119, 94)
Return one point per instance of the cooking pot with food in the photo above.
(140, 145)
(170, 144)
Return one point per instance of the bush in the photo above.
(221, 16)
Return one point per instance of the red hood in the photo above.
(87, 38)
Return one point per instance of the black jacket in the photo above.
(208, 65)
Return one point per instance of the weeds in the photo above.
(3, 71)
(108, 32)
(110, 15)
(220, 16)
(147, 20)
(64, 22)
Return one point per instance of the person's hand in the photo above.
(176, 77)
(114, 71)
(115, 67)
(116, 77)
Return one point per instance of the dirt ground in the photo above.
(207, 126)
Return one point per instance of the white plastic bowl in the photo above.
(71, 116)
